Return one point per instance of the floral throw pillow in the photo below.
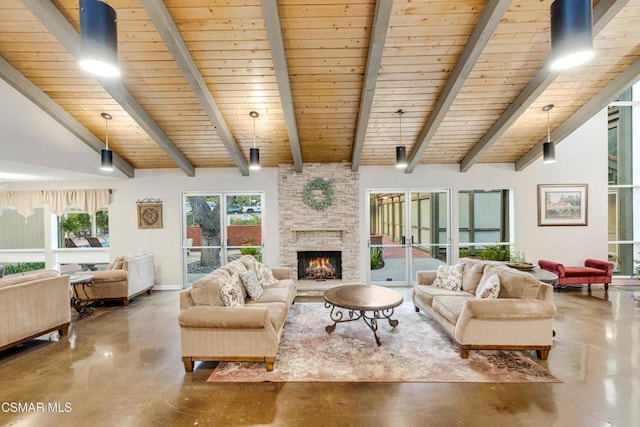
(251, 284)
(264, 274)
(231, 292)
(448, 277)
(489, 289)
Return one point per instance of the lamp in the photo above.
(106, 154)
(571, 33)
(254, 153)
(99, 36)
(548, 148)
(401, 150)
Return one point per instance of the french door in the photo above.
(408, 232)
(217, 228)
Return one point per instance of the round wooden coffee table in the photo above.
(367, 302)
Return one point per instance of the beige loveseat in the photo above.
(32, 305)
(214, 332)
(519, 319)
(127, 277)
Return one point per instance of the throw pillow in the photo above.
(264, 274)
(489, 289)
(448, 277)
(117, 263)
(231, 292)
(249, 262)
(251, 284)
(236, 267)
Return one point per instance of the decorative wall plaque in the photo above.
(149, 213)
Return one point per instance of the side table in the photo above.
(81, 281)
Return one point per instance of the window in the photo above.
(484, 224)
(624, 192)
(77, 229)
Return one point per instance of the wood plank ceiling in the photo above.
(326, 78)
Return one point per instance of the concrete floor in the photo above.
(122, 367)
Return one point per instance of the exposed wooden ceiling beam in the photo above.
(603, 98)
(274, 33)
(64, 32)
(478, 40)
(604, 12)
(163, 22)
(30, 91)
(374, 59)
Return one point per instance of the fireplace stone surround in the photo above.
(333, 229)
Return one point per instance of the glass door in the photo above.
(243, 225)
(405, 237)
(387, 237)
(218, 228)
(202, 247)
(430, 242)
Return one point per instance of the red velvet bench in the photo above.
(593, 271)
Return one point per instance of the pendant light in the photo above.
(571, 33)
(401, 150)
(107, 155)
(99, 37)
(548, 148)
(254, 153)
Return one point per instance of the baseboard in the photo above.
(167, 287)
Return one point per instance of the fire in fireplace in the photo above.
(319, 265)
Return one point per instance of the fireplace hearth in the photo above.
(319, 265)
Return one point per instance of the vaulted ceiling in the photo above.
(326, 77)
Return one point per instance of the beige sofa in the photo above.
(32, 305)
(214, 332)
(127, 277)
(519, 319)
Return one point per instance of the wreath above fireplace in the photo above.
(318, 203)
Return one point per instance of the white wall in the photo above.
(581, 158)
(25, 129)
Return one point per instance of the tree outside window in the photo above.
(79, 229)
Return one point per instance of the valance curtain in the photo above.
(90, 201)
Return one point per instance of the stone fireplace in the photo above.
(334, 229)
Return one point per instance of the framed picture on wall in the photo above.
(149, 215)
(562, 204)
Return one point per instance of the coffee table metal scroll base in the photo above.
(367, 302)
(337, 316)
(77, 302)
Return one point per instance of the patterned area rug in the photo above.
(417, 350)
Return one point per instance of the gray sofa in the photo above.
(211, 331)
(519, 319)
(32, 305)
